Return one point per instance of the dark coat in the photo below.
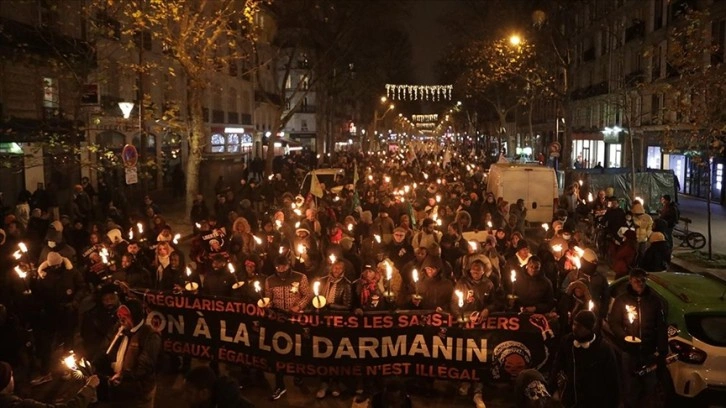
(657, 257)
(650, 325)
(591, 376)
(534, 291)
(343, 293)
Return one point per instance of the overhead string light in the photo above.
(425, 118)
(416, 92)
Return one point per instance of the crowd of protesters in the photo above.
(399, 231)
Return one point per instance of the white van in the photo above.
(332, 178)
(535, 184)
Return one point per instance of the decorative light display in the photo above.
(415, 92)
(425, 125)
(425, 118)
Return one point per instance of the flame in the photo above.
(590, 305)
(297, 212)
(545, 227)
(282, 249)
(460, 295)
(406, 189)
(589, 197)
(189, 271)
(557, 247)
(278, 224)
(258, 240)
(631, 312)
(258, 287)
(473, 245)
(389, 271)
(17, 254)
(70, 362)
(513, 276)
(21, 273)
(579, 251)
(377, 238)
(415, 186)
(176, 239)
(489, 224)
(415, 275)
(576, 261)
(230, 267)
(332, 258)
(316, 288)
(580, 182)
(23, 247)
(300, 249)
(387, 179)
(350, 227)
(438, 198)
(426, 176)
(198, 225)
(131, 233)
(297, 225)
(140, 227)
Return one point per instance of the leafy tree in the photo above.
(696, 121)
(200, 38)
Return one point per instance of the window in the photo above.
(218, 143)
(51, 98)
(231, 143)
(142, 39)
(657, 14)
(656, 71)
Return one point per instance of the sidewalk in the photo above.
(695, 209)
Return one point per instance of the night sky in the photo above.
(428, 37)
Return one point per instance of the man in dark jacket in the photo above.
(399, 250)
(218, 281)
(435, 289)
(203, 389)
(585, 371)
(669, 214)
(596, 282)
(132, 359)
(533, 290)
(639, 313)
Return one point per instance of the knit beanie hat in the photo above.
(6, 372)
(586, 318)
(133, 309)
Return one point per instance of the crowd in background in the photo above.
(395, 231)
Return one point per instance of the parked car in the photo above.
(695, 306)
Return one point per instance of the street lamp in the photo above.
(515, 39)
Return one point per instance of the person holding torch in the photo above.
(82, 399)
(639, 314)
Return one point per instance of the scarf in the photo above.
(369, 288)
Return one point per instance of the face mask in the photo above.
(51, 244)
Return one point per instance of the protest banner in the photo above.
(401, 343)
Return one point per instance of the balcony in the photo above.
(635, 78)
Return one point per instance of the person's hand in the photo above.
(358, 311)
(484, 314)
(295, 308)
(93, 381)
(115, 380)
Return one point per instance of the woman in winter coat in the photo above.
(658, 256)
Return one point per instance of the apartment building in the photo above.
(620, 88)
(79, 102)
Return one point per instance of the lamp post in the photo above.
(377, 117)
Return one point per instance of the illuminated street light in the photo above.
(515, 40)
